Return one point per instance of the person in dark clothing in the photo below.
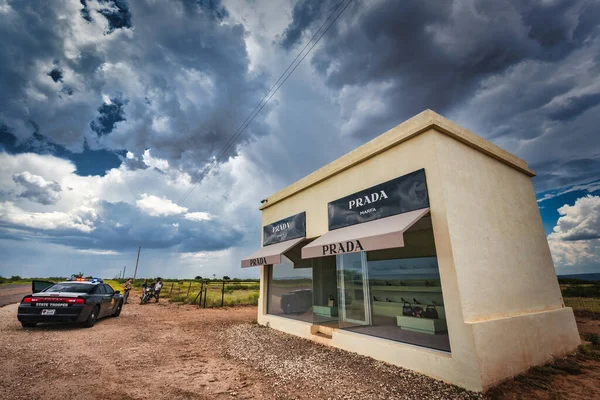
(144, 286)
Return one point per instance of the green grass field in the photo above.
(584, 305)
(236, 293)
(581, 297)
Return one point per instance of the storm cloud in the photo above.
(127, 75)
(511, 71)
(115, 108)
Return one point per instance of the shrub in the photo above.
(15, 278)
(593, 338)
(582, 291)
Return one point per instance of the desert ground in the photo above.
(169, 351)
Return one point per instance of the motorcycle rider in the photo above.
(144, 286)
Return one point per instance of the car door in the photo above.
(112, 301)
(39, 286)
(103, 300)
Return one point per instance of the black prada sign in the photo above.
(287, 229)
(400, 195)
(350, 246)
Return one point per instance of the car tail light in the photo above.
(69, 300)
(27, 299)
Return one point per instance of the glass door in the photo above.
(353, 287)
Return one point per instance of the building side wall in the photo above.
(502, 258)
(509, 346)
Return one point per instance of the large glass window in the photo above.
(290, 291)
(403, 289)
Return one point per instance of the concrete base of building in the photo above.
(503, 347)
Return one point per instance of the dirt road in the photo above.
(13, 293)
(166, 351)
(151, 351)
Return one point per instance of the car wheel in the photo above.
(118, 311)
(92, 318)
(28, 324)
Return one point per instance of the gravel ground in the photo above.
(321, 372)
(167, 351)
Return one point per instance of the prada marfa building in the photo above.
(423, 248)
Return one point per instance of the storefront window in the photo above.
(407, 303)
(290, 291)
(396, 293)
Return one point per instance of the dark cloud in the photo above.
(214, 8)
(575, 106)
(185, 75)
(510, 71)
(85, 11)
(121, 226)
(304, 15)
(117, 13)
(37, 189)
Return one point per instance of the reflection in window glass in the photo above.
(406, 301)
(290, 291)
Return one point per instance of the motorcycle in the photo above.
(147, 295)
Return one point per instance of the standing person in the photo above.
(126, 289)
(157, 286)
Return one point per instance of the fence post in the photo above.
(205, 292)
(223, 294)
(189, 287)
(200, 294)
(171, 291)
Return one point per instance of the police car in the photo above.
(77, 300)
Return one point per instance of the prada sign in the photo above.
(254, 262)
(400, 195)
(350, 246)
(289, 228)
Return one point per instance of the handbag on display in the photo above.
(431, 312)
(407, 309)
(417, 312)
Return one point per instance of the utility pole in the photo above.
(124, 269)
(136, 263)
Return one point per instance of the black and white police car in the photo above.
(78, 300)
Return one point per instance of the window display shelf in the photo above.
(377, 288)
(423, 325)
(325, 311)
(393, 309)
(427, 289)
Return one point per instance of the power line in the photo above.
(261, 104)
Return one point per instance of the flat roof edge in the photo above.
(410, 128)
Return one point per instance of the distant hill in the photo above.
(583, 277)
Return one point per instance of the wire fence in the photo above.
(212, 293)
(584, 306)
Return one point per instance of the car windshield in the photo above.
(69, 287)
